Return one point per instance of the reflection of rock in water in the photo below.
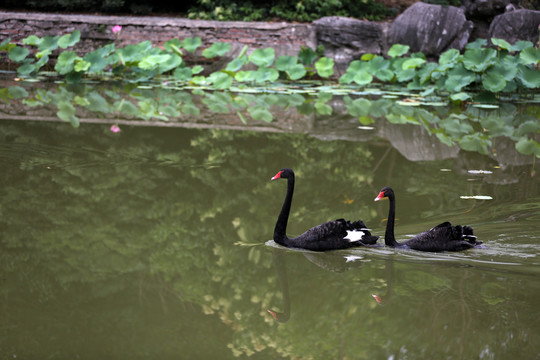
(506, 153)
(507, 166)
(415, 143)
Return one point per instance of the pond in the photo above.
(154, 241)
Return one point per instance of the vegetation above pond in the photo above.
(506, 69)
(159, 79)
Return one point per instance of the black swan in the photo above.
(443, 237)
(332, 235)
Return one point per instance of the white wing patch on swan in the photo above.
(354, 235)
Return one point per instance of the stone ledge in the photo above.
(285, 38)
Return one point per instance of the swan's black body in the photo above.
(443, 237)
(332, 235)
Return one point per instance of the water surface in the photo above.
(156, 243)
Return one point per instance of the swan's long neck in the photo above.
(389, 238)
(280, 231)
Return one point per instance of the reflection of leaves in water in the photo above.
(473, 129)
(420, 281)
(493, 293)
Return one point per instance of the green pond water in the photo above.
(155, 242)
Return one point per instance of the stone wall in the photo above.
(96, 31)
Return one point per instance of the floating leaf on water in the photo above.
(477, 197)
(475, 172)
(408, 102)
(486, 106)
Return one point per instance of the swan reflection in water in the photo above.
(331, 261)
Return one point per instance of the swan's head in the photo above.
(385, 193)
(284, 174)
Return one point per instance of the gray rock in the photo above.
(431, 29)
(516, 25)
(345, 39)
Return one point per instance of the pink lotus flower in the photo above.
(116, 29)
(115, 129)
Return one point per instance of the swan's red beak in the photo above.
(380, 196)
(277, 176)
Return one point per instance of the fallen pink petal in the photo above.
(115, 129)
(377, 298)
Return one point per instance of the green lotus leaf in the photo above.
(173, 45)
(32, 40)
(220, 80)
(529, 77)
(68, 40)
(306, 55)
(18, 53)
(216, 49)
(49, 43)
(493, 82)
(363, 78)
(152, 61)
(283, 62)
(461, 96)
(530, 55)
(405, 75)
(413, 63)
(264, 74)
(182, 74)
(522, 44)
(245, 76)
(478, 60)
(66, 62)
(384, 74)
(191, 44)
(236, 64)
(263, 57)
(296, 72)
(449, 57)
(476, 44)
(325, 67)
(173, 62)
(503, 44)
(99, 59)
(398, 50)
